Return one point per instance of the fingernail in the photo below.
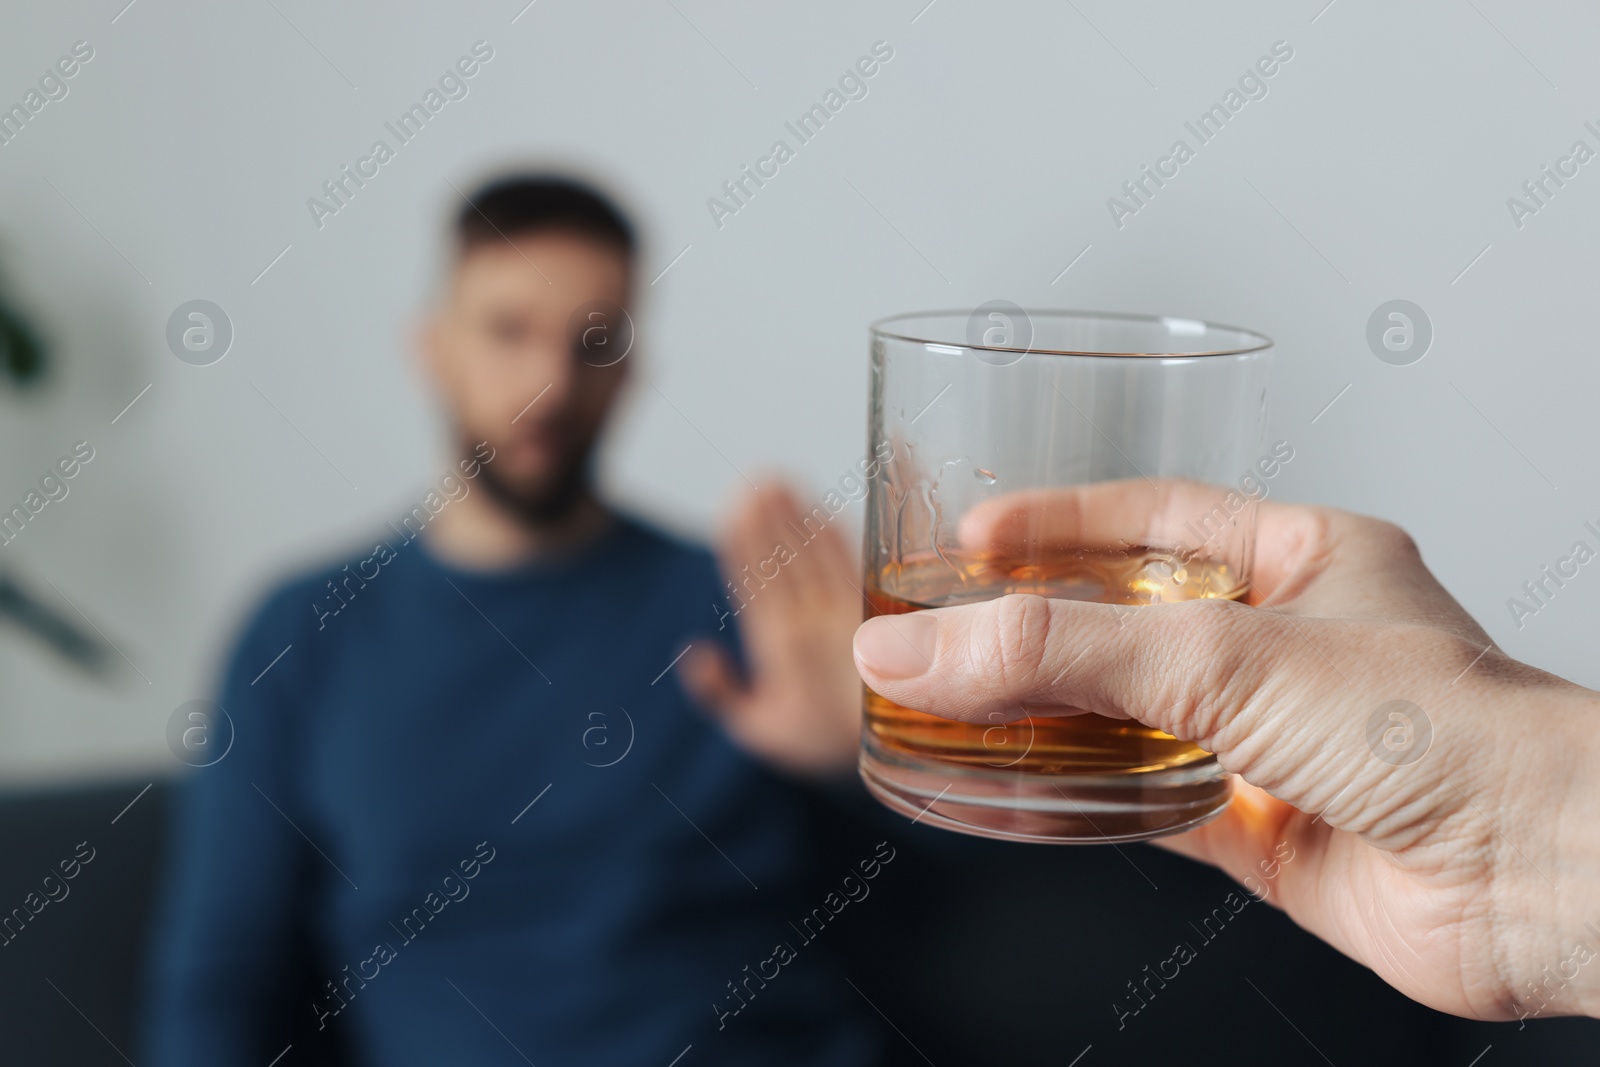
(898, 647)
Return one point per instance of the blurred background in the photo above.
(177, 164)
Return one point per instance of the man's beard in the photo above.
(546, 504)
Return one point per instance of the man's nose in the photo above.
(548, 374)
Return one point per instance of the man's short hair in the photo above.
(517, 204)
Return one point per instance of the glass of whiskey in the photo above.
(1110, 458)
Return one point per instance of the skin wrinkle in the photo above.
(1156, 659)
(1384, 945)
(1458, 932)
(1244, 759)
(1030, 620)
(1398, 827)
(1262, 762)
(1466, 833)
(1234, 736)
(1431, 806)
(1067, 668)
(1306, 831)
(1507, 869)
(1245, 673)
(1417, 802)
(1396, 823)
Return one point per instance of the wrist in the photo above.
(1548, 878)
(1578, 844)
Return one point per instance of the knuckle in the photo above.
(1390, 539)
(1017, 641)
(1209, 626)
(1468, 662)
(1400, 542)
(1206, 677)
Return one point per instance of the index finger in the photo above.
(1164, 513)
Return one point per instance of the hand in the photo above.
(801, 706)
(1465, 875)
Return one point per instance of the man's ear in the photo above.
(428, 345)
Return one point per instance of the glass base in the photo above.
(1046, 809)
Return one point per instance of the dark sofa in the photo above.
(978, 954)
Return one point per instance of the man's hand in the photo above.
(800, 708)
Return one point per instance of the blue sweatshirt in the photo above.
(485, 804)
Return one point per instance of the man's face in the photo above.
(505, 335)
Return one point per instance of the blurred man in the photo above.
(466, 793)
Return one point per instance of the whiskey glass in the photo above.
(1087, 456)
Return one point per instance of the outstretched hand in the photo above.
(797, 603)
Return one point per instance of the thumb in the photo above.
(1243, 682)
(708, 675)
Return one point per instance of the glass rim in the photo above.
(1259, 342)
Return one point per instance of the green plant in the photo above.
(22, 355)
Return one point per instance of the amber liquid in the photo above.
(1083, 744)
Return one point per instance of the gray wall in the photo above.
(978, 166)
